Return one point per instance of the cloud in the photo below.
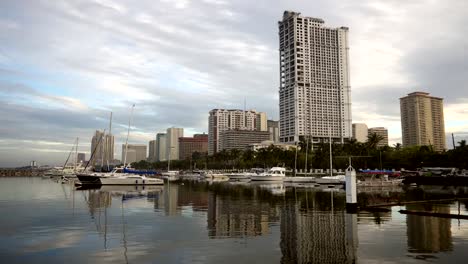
(65, 65)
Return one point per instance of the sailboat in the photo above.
(70, 170)
(118, 176)
(338, 179)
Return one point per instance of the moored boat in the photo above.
(338, 179)
(274, 174)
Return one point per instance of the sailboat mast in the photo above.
(76, 154)
(128, 133)
(109, 142)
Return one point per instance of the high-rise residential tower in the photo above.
(226, 119)
(102, 148)
(315, 93)
(161, 147)
(422, 120)
(152, 151)
(172, 142)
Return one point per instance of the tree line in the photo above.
(367, 156)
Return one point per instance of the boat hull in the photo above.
(267, 178)
(300, 179)
(99, 180)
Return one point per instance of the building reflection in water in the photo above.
(309, 236)
(239, 217)
(428, 234)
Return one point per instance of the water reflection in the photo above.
(317, 237)
(427, 234)
(221, 222)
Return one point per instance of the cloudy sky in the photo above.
(64, 65)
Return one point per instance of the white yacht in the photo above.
(170, 175)
(209, 175)
(274, 174)
(116, 177)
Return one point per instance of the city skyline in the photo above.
(58, 61)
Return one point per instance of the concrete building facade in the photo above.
(241, 139)
(161, 147)
(220, 120)
(135, 153)
(381, 131)
(360, 132)
(314, 93)
(172, 142)
(152, 151)
(189, 145)
(273, 128)
(422, 120)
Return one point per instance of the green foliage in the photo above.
(395, 157)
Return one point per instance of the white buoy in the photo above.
(351, 193)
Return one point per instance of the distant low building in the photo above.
(241, 139)
(268, 143)
(81, 157)
(273, 128)
(189, 145)
(135, 153)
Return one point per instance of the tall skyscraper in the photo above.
(152, 151)
(102, 145)
(135, 153)
(381, 131)
(172, 142)
(422, 120)
(360, 132)
(161, 147)
(315, 93)
(226, 119)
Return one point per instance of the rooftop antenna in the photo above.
(108, 143)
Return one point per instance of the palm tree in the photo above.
(397, 146)
(462, 143)
(373, 140)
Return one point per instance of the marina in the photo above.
(261, 222)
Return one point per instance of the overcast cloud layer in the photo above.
(64, 65)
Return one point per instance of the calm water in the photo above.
(46, 222)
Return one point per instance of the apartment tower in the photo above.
(172, 142)
(315, 93)
(102, 148)
(422, 120)
(161, 147)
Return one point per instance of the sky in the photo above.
(65, 65)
